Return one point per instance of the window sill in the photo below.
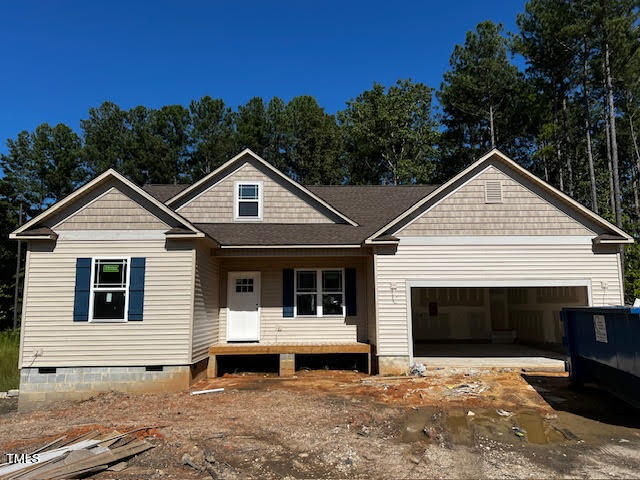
(108, 321)
(320, 316)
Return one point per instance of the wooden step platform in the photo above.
(287, 352)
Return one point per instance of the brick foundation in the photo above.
(77, 383)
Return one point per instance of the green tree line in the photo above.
(561, 95)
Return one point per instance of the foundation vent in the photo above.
(493, 191)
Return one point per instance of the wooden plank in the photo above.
(257, 349)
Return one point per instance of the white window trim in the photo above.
(126, 290)
(237, 200)
(319, 293)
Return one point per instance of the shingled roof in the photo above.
(164, 191)
(371, 206)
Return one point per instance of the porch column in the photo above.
(212, 367)
(287, 364)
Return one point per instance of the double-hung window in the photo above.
(109, 284)
(320, 293)
(248, 200)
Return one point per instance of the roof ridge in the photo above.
(382, 186)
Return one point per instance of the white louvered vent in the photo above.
(493, 191)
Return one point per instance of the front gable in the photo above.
(214, 199)
(112, 210)
(109, 202)
(494, 203)
(279, 203)
(495, 196)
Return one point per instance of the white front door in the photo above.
(243, 306)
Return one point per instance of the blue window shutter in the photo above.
(287, 292)
(136, 289)
(81, 296)
(350, 292)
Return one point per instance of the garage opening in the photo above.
(491, 326)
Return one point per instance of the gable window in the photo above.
(319, 293)
(248, 200)
(109, 284)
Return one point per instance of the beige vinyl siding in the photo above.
(206, 303)
(162, 338)
(463, 263)
(112, 211)
(297, 329)
(280, 205)
(521, 212)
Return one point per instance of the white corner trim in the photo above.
(499, 240)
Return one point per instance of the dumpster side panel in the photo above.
(603, 346)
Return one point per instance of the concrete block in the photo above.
(73, 378)
(397, 365)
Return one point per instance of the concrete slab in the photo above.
(488, 356)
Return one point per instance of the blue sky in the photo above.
(61, 57)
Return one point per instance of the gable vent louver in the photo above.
(493, 191)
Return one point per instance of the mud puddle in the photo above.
(462, 427)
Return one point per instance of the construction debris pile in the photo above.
(77, 457)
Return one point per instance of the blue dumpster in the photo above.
(603, 347)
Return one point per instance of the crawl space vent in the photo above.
(493, 191)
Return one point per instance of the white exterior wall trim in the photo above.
(24, 303)
(111, 235)
(533, 283)
(193, 301)
(499, 240)
(290, 246)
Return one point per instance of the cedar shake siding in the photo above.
(521, 212)
(112, 211)
(280, 204)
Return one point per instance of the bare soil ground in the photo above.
(332, 424)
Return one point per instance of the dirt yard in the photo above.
(329, 424)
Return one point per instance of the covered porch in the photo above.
(288, 308)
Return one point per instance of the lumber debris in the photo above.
(78, 457)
